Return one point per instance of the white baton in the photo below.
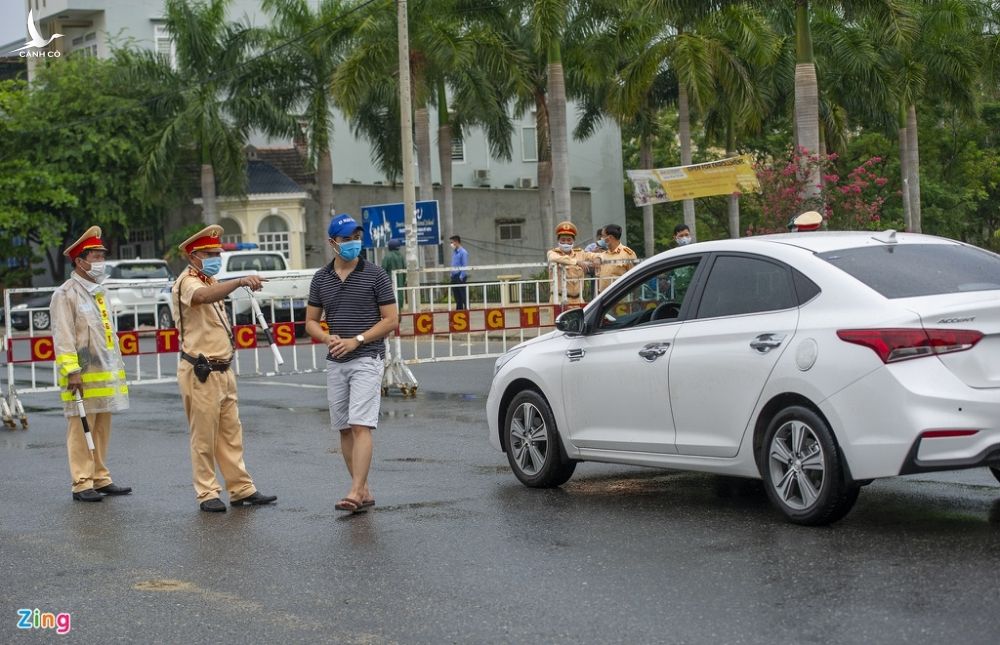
(83, 417)
(262, 322)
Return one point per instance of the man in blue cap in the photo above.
(355, 298)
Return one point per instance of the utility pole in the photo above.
(406, 132)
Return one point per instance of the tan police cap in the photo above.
(807, 221)
(88, 241)
(207, 238)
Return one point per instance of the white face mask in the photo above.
(683, 241)
(565, 248)
(97, 272)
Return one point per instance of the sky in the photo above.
(13, 21)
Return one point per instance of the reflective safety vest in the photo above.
(86, 341)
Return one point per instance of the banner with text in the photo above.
(723, 177)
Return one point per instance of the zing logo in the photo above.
(36, 42)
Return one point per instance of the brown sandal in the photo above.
(348, 504)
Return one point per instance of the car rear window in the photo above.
(910, 270)
(146, 271)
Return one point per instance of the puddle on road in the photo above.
(419, 460)
(163, 585)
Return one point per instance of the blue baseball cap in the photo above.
(343, 226)
(394, 244)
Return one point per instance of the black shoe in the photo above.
(254, 500)
(112, 489)
(89, 495)
(214, 505)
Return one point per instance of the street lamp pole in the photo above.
(406, 132)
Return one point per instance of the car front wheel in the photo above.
(40, 320)
(803, 469)
(164, 319)
(532, 441)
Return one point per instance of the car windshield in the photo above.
(255, 262)
(911, 270)
(141, 271)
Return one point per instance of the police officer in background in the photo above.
(573, 263)
(616, 259)
(807, 221)
(90, 366)
(207, 384)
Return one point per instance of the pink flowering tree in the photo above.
(850, 202)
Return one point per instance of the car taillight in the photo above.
(894, 345)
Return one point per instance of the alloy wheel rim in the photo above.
(797, 465)
(41, 320)
(529, 440)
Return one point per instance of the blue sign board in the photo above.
(384, 222)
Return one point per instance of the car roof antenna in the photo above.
(886, 237)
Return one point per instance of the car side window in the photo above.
(744, 285)
(651, 299)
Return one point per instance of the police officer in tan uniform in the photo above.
(90, 366)
(207, 384)
(573, 264)
(616, 259)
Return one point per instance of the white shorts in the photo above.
(354, 391)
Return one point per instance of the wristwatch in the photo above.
(360, 338)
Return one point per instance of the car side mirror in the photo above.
(571, 322)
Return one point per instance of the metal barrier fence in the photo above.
(521, 303)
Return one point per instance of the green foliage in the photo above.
(69, 154)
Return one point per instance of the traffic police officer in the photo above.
(207, 384)
(616, 259)
(807, 221)
(90, 365)
(573, 264)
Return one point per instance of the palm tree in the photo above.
(941, 60)
(196, 106)
(548, 21)
(453, 60)
(311, 44)
(687, 40)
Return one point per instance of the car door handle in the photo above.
(766, 342)
(653, 351)
(575, 354)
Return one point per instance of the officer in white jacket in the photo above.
(90, 365)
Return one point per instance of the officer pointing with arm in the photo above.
(207, 384)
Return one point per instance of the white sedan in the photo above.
(814, 361)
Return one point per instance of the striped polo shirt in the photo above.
(352, 306)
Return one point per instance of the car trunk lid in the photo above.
(978, 367)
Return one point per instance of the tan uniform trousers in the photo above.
(216, 433)
(87, 469)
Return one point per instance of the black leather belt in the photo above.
(214, 365)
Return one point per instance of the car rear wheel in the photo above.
(803, 469)
(164, 319)
(533, 445)
(996, 472)
(40, 319)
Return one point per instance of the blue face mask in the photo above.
(211, 266)
(350, 250)
(601, 243)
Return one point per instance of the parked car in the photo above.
(816, 362)
(284, 294)
(32, 313)
(133, 288)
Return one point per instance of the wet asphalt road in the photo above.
(456, 551)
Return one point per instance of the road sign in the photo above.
(384, 222)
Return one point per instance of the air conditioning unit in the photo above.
(481, 174)
(524, 182)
